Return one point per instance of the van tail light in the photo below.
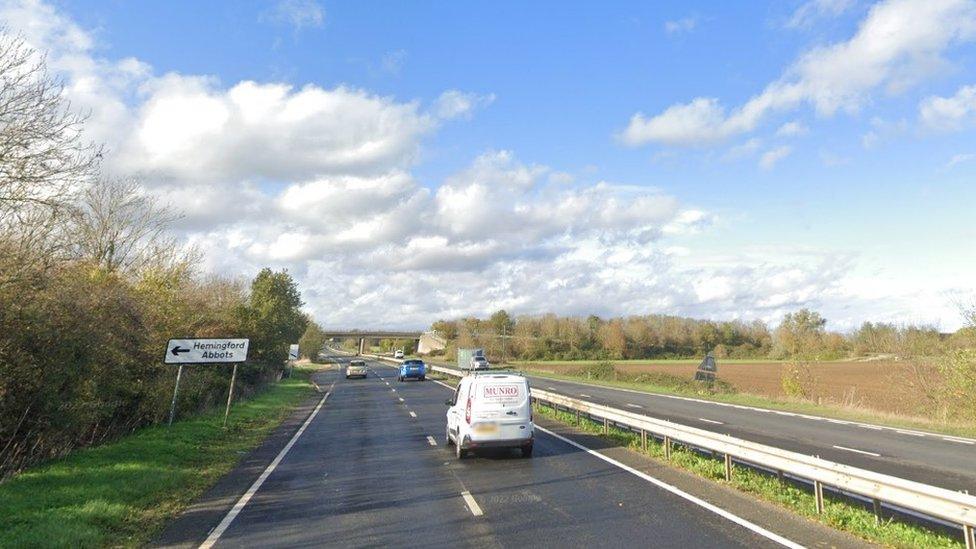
(467, 411)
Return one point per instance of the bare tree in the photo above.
(121, 228)
(43, 159)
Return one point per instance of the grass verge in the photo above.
(121, 494)
(798, 406)
(838, 513)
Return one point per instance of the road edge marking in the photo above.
(239, 506)
(680, 493)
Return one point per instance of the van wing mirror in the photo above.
(449, 402)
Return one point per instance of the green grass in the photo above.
(121, 494)
(799, 406)
(838, 513)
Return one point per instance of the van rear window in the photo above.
(508, 392)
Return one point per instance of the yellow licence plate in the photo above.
(485, 428)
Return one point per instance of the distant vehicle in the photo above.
(479, 363)
(398, 353)
(490, 411)
(412, 369)
(465, 356)
(356, 368)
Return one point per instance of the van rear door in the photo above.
(501, 398)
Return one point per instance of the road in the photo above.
(939, 460)
(371, 469)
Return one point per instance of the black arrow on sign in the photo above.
(177, 350)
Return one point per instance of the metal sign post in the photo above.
(230, 394)
(176, 389)
(205, 351)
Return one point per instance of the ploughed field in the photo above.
(883, 385)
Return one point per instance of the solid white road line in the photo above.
(959, 440)
(912, 433)
(472, 504)
(414, 414)
(239, 506)
(629, 405)
(431, 441)
(441, 383)
(681, 493)
(856, 451)
(710, 421)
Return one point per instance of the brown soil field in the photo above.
(886, 386)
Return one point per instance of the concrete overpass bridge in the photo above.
(426, 341)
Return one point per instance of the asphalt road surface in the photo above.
(372, 469)
(930, 458)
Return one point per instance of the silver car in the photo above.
(356, 368)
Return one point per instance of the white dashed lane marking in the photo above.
(584, 395)
(431, 441)
(856, 451)
(629, 405)
(710, 421)
(472, 504)
(414, 414)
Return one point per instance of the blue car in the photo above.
(412, 368)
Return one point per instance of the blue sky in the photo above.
(811, 153)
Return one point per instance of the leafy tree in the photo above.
(312, 341)
(274, 317)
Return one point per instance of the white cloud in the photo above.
(773, 156)
(297, 13)
(792, 129)
(812, 11)
(679, 26)
(950, 113)
(897, 44)
(883, 130)
(458, 104)
(320, 181)
(960, 158)
(749, 148)
(392, 62)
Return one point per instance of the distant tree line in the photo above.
(800, 335)
(92, 286)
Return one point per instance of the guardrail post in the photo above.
(818, 496)
(578, 419)
(606, 426)
(876, 503)
(970, 534)
(643, 440)
(667, 448)
(728, 468)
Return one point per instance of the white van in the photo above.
(490, 410)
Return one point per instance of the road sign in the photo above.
(206, 351)
(707, 369)
(293, 351)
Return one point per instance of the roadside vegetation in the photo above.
(838, 513)
(121, 493)
(92, 285)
